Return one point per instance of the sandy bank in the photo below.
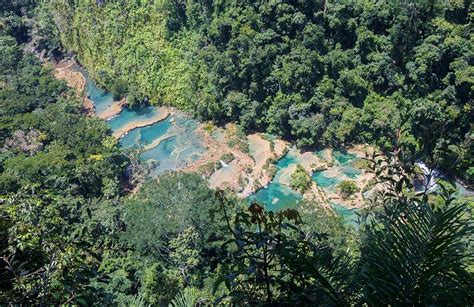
(246, 173)
(162, 115)
(67, 71)
(113, 110)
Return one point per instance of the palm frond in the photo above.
(419, 257)
(188, 297)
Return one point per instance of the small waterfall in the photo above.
(429, 178)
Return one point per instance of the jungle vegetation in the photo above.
(316, 72)
(71, 234)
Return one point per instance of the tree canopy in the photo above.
(316, 72)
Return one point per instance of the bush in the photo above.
(227, 157)
(119, 89)
(300, 179)
(347, 188)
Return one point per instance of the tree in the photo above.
(347, 188)
(300, 179)
(275, 264)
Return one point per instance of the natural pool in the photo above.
(166, 145)
(101, 99)
(146, 135)
(181, 147)
(342, 169)
(173, 143)
(128, 115)
(278, 196)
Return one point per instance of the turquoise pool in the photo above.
(178, 145)
(129, 115)
(101, 99)
(278, 196)
(342, 169)
(146, 135)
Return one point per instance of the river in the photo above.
(171, 140)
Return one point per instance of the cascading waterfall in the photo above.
(429, 178)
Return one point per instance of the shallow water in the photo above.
(325, 181)
(179, 145)
(145, 135)
(278, 196)
(341, 170)
(182, 147)
(349, 215)
(101, 99)
(133, 115)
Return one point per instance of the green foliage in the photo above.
(347, 188)
(119, 89)
(188, 297)
(319, 73)
(300, 179)
(439, 236)
(227, 157)
(271, 252)
(56, 179)
(174, 233)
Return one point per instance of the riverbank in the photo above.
(159, 116)
(67, 71)
(230, 160)
(246, 171)
(70, 72)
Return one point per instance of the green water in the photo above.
(277, 197)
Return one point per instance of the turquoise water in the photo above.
(342, 169)
(130, 115)
(99, 97)
(278, 196)
(324, 181)
(181, 147)
(145, 135)
(349, 215)
(343, 159)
